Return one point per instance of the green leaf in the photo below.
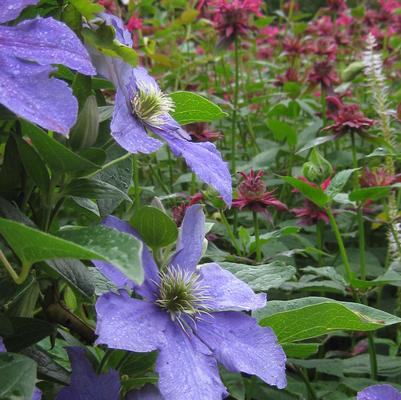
(315, 194)
(57, 156)
(26, 332)
(89, 243)
(352, 71)
(310, 317)
(119, 175)
(96, 189)
(261, 277)
(155, 227)
(33, 164)
(191, 107)
(338, 182)
(300, 350)
(75, 273)
(282, 130)
(17, 376)
(370, 193)
(104, 40)
(315, 142)
(87, 8)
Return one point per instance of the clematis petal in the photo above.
(2, 347)
(190, 241)
(37, 394)
(241, 345)
(128, 131)
(129, 324)
(148, 288)
(46, 41)
(148, 392)
(379, 392)
(123, 35)
(11, 9)
(205, 161)
(27, 91)
(186, 369)
(228, 293)
(85, 384)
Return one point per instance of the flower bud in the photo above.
(317, 168)
(85, 131)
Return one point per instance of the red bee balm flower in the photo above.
(231, 18)
(310, 213)
(347, 118)
(378, 177)
(252, 194)
(323, 73)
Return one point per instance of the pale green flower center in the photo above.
(181, 294)
(150, 105)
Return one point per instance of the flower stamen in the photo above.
(150, 104)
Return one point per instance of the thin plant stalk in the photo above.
(257, 236)
(235, 106)
(230, 232)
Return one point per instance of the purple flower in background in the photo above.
(85, 383)
(191, 315)
(27, 51)
(37, 394)
(379, 392)
(140, 105)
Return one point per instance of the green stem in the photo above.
(18, 279)
(235, 105)
(320, 240)
(257, 236)
(109, 164)
(372, 356)
(323, 104)
(104, 360)
(311, 391)
(137, 188)
(361, 225)
(341, 246)
(230, 232)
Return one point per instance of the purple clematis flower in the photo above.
(191, 315)
(85, 384)
(140, 106)
(27, 51)
(379, 392)
(37, 394)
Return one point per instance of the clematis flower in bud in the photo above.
(141, 106)
(253, 194)
(379, 392)
(347, 118)
(191, 314)
(27, 52)
(232, 17)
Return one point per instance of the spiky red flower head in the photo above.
(293, 46)
(179, 211)
(231, 17)
(347, 118)
(109, 5)
(324, 46)
(253, 194)
(200, 133)
(310, 213)
(291, 75)
(337, 5)
(321, 27)
(378, 177)
(134, 23)
(323, 73)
